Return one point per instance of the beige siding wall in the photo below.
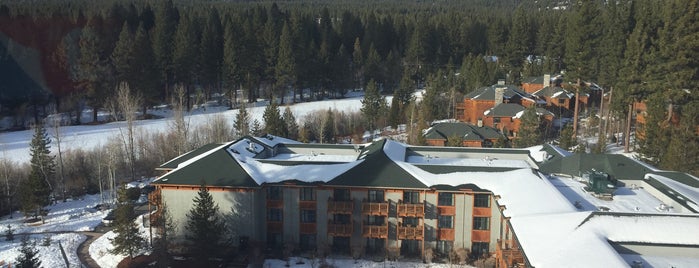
(237, 207)
(495, 226)
(430, 222)
(358, 196)
(291, 215)
(322, 216)
(463, 220)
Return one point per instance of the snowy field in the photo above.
(15, 145)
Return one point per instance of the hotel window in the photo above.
(376, 196)
(341, 218)
(445, 221)
(411, 197)
(307, 241)
(481, 201)
(308, 216)
(274, 214)
(445, 199)
(307, 194)
(479, 249)
(274, 193)
(444, 246)
(411, 222)
(274, 240)
(376, 220)
(481, 223)
(341, 194)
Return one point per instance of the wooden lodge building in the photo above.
(392, 200)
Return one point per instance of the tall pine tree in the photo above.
(529, 133)
(28, 255)
(128, 240)
(373, 106)
(35, 191)
(205, 226)
(291, 126)
(274, 124)
(241, 123)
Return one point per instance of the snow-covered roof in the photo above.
(550, 229)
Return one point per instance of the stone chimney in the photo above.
(547, 80)
(501, 82)
(499, 95)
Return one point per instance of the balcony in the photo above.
(508, 257)
(480, 235)
(375, 231)
(412, 233)
(379, 209)
(446, 210)
(307, 228)
(445, 234)
(480, 211)
(340, 207)
(339, 229)
(275, 226)
(411, 210)
(274, 203)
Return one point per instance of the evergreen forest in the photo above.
(63, 56)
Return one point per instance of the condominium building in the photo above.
(392, 200)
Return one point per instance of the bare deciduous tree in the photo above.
(128, 104)
(179, 127)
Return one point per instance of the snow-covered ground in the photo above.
(63, 224)
(15, 145)
(99, 249)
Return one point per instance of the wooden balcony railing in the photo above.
(445, 234)
(274, 226)
(375, 231)
(307, 228)
(478, 211)
(446, 210)
(380, 209)
(411, 210)
(480, 235)
(339, 229)
(154, 203)
(307, 204)
(340, 207)
(508, 257)
(274, 203)
(412, 233)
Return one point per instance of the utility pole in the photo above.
(575, 114)
(627, 136)
(602, 122)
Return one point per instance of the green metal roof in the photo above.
(505, 110)
(681, 177)
(488, 93)
(377, 170)
(618, 166)
(552, 90)
(534, 80)
(446, 169)
(468, 186)
(414, 149)
(458, 129)
(172, 164)
(215, 168)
